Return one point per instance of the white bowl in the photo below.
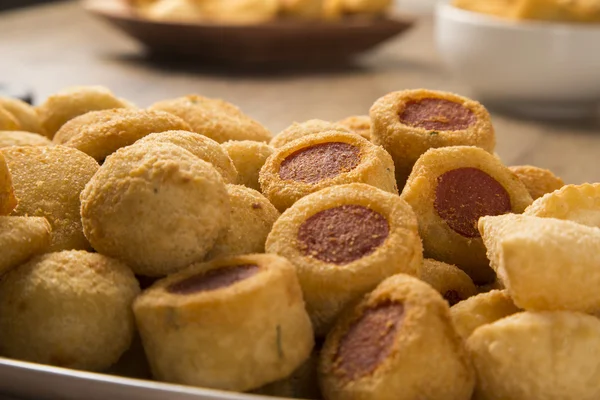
(540, 68)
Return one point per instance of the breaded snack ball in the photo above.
(360, 124)
(21, 138)
(202, 147)
(155, 206)
(252, 217)
(236, 323)
(410, 122)
(545, 263)
(248, 158)
(48, 181)
(300, 130)
(344, 241)
(316, 162)
(483, 309)
(70, 309)
(450, 281)
(450, 188)
(101, 133)
(398, 343)
(8, 201)
(538, 181)
(25, 114)
(7, 121)
(538, 356)
(21, 238)
(577, 203)
(215, 118)
(72, 102)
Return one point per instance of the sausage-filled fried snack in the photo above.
(360, 124)
(248, 157)
(300, 130)
(21, 238)
(538, 181)
(450, 281)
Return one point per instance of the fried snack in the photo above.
(25, 114)
(538, 181)
(48, 181)
(202, 147)
(254, 329)
(303, 383)
(366, 6)
(101, 133)
(453, 284)
(578, 203)
(360, 125)
(344, 240)
(239, 11)
(545, 263)
(70, 309)
(316, 162)
(21, 238)
(8, 201)
(252, 217)
(449, 189)
(312, 9)
(397, 343)
(409, 123)
(215, 118)
(20, 138)
(300, 130)
(483, 309)
(248, 158)
(7, 121)
(156, 207)
(538, 356)
(172, 10)
(72, 102)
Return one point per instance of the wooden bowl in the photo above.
(280, 42)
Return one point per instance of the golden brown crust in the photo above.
(248, 157)
(7, 121)
(101, 133)
(254, 331)
(328, 287)
(8, 201)
(366, 6)
(26, 116)
(375, 168)
(360, 124)
(426, 358)
(300, 130)
(302, 8)
(21, 238)
(440, 241)
(450, 281)
(48, 181)
(20, 138)
(538, 181)
(215, 118)
(407, 143)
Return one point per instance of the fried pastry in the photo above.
(360, 125)
(248, 157)
(7, 121)
(449, 189)
(26, 116)
(22, 238)
(398, 343)
(366, 6)
(20, 138)
(172, 10)
(344, 240)
(254, 329)
(312, 9)
(8, 201)
(538, 181)
(315, 162)
(239, 11)
(300, 130)
(453, 284)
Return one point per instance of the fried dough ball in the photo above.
(300, 130)
(538, 181)
(73, 102)
(7, 121)
(545, 263)
(360, 125)
(215, 118)
(20, 138)
(398, 343)
(70, 309)
(449, 189)
(202, 147)
(538, 356)
(21, 238)
(344, 240)
(48, 181)
(578, 203)
(452, 283)
(156, 207)
(253, 327)
(252, 217)
(316, 162)
(8, 201)
(409, 123)
(248, 158)
(101, 133)
(25, 114)
(483, 309)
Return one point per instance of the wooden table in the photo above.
(59, 45)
